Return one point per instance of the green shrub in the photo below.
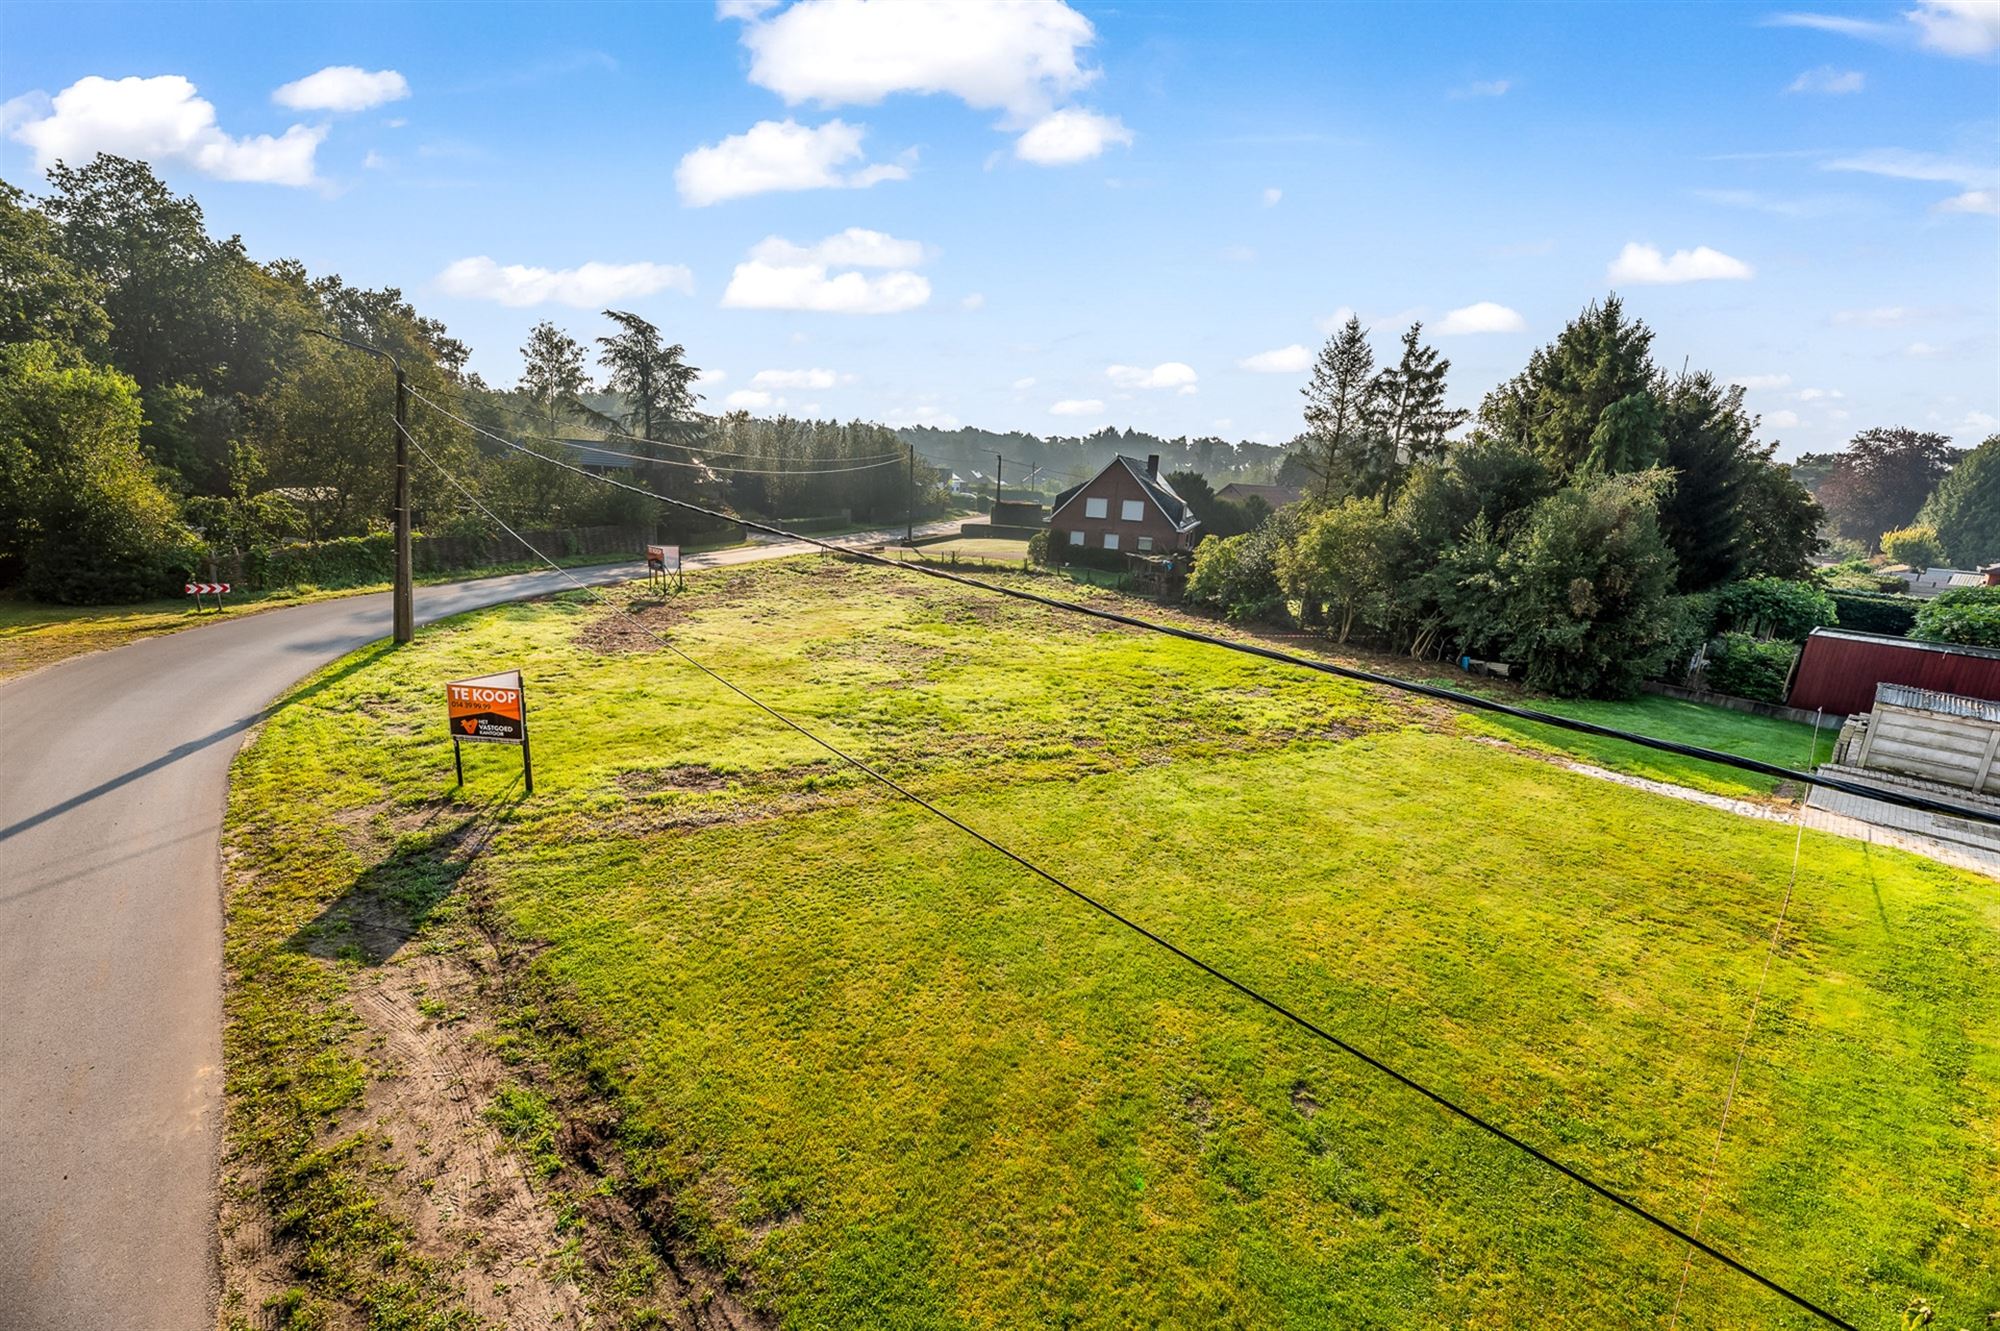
(1917, 547)
(1969, 616)
(1875, 612)
(1038, 548)
(1774, 608)
(1747, 667)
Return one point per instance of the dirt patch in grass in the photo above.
(635, 625)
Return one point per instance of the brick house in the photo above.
(1128, 507)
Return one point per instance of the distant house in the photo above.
(1277, 496)
(1128, 506)
(590, 455)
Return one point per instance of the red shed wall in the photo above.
(1840, 674)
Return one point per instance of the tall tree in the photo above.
(653, 379)
(1560, 403)
(1965, 510)
(1414, 421)
(1710, 446)
(552, 370)
(42, 294)
(1340, 409)
(1882, 478)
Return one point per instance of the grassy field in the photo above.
(874, 1075)
(969, 549)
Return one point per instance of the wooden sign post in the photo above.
(489, 709)
(662, 560)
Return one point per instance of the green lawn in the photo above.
(969, 549)
(881, 1077)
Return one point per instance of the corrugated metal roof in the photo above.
(1930, 700)
(1890, 639)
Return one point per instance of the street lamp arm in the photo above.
(358, 346)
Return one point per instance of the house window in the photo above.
(1096, 508)
(1133, 510)
(1076, 538)
(1145, 544)
(1111, 540)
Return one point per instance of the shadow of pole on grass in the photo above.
(389, 902)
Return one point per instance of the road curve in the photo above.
(114, 768)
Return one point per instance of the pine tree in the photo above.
(657, 385)
(1414, 419)
(1340, 410)
(1558, 403)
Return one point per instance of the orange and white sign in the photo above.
(665, 557)
(490, 709)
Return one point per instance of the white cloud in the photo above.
(1820, 394)
(856, 247)
(374, 161)
(1782, 420)
(1023, 384)
(743, 9)
(1168, 374)
(1645, 265)
(1070, 135)
(1973, 201)
(1826, 79)
(710, 378)
(990, 54)
(1923, 350)
(816, 379)
(1957, 27)
(1333, 322)
(972, 300)
(779, 275)
(1238, 254)
(1070, 406)
(1294, 359)
(906, 417)
(1903, 164)
(779, 155)
(748, 399)
(159, 120)
(1483, 88)
(343, 88)
(1978, 423)
(1272, 195)
(1482, 317)
(587, 286)
(1968, 28)
(1764, 381)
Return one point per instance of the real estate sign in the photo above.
(489, 709)
(664, 557)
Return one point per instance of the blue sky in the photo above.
(1052, 218)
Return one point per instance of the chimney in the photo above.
(1152, 466)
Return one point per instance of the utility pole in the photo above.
(998, 463)
(910, 508)
(401, 598)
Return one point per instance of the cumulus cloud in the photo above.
(1820, 394)
(1782, 420)
(1764, 381)
(1070, 135)
(972, 300)
(990, 54)
(1826, 79)
(1272, 195)
(1294, 359)
(1973, 201)
(1023, 384)
(800, 379)
(903, 418)
(779, 275)
(1645, 265)
(343, 88)
(1075, 406)
(1923, 350)
(1481, 317)
(587, 286)
(779, 155)
(159, 119)
(1168, 374)
(748, 399)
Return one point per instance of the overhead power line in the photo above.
(1885, 795)
(1239, 986)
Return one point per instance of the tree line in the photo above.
(164, 401)
(1594, 526)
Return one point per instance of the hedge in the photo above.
(1868, 612)
(1747, 667)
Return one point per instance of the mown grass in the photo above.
(886, 1078)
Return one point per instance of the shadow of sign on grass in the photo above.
(389, 902)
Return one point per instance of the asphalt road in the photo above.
(113, 773)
